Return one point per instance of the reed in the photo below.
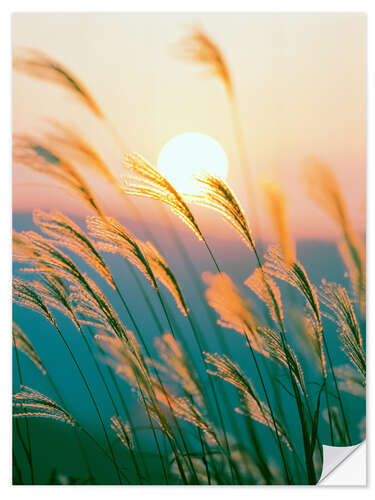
(172, 374)
(35, 154)
(276, 205)
(85, 303)
(323, 187)
(198, 48)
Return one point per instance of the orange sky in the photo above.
(299, 78)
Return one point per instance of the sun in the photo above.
(190, 154)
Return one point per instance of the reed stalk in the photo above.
(27, 448)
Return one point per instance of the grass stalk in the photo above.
(102, 378)
(16, 469)
(304, 427)
(247, 171)
(156, 372)
(125, 409)
(76, 431)
(144, 343)
(283, 458)
(337, 390)
(27, 448)
(91, 395)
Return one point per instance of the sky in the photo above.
(300, 82)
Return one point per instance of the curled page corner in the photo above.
(355, 466)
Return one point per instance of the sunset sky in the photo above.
(299, 79)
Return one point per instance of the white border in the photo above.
(5, 200)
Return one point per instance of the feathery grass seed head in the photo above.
(216, 194)
(198, 48)
(147, 182)
(21, 342)
(31, 403)
(39, 65)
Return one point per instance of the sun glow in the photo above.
(191, 154)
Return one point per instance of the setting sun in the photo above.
(190, 154)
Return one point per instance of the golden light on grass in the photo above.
(323, 187)
(39, 65)
(277, 206)
(192, 428)
(191, 154)
(197, 47)
(31, 403)
(21, 341)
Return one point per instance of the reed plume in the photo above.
(123, 432)
(187, 410)
(86, 296)
(156, 413)
(267, 291)
(162, 271)
(44, 257)
(31, 403)
(312, 330)
(143, 255)
(92, 307)
(149, 183)
(260, 412)
(35, 154)
(53, 267)
(229, 371)
(177, 366)
(21, 342)
(70, 144)
(323, 187)
(130, 364)
(353, 255)
(199, 48)
(24, 294)
(276, 204)
(235, 311)
(283, 354)
(336, 298)
(216, 194)
(127, 359)
(69, 235)
(115, 238)
(55, 294)
(39, 65)
(294, 274)
(351, 381)
(251, 405)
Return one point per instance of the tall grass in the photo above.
(205, 414)
(198, 48)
